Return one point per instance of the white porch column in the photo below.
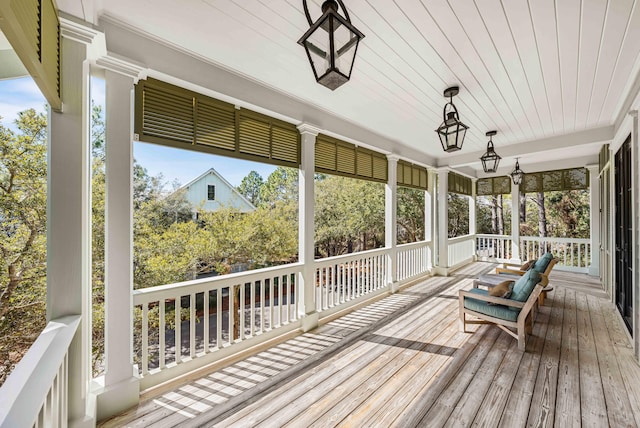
(119, 388)
(69, 215)
(306, 238)
(515, 223)
(442, 231)
(429, 217)
(391, 221)
(473, 227)
(594, 219)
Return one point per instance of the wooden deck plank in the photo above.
(329, 375)
(619, 408)
(541, 412)
(592, 403)
(468, 404)
(331, 407)
(568, 387)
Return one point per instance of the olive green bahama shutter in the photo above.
(459, 184)
(493, 186)
(169, 115)
(337, 157)
(557, 180)
(413, 176)
(32, 27)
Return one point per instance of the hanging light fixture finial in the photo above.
(490, 159)
(452, 131)
(331, 44)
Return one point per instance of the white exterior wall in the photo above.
(225, 196)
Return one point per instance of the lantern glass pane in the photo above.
(345, 42)
(317, 45)
(452, 138)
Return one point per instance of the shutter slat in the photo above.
(325, 155)
(346, 160)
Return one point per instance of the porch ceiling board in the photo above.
(396, 374)
(531, 70)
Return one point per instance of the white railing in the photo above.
(36, 393)
(461, 249)
(342, 280)
(412, 260)
(216, 318)
(574, 253)
(493, 247)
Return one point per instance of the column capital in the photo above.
(308, 129)
(593, 168)
(633, 113)
(393, 157)
(121, 66)
(79, 32)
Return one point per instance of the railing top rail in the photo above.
(489, 235)
(560, 240)
(352, 256)
(25, 390)
(223, 280)
(462, 238)
(416, 244)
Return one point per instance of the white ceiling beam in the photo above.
(590, 136)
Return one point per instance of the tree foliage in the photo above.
(23, 173)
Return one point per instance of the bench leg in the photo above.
(462, 321)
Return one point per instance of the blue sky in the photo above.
(182, 165)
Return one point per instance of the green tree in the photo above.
(410, 215)
(458, 215)
(281, 187)
(23, 195)
(251, 186)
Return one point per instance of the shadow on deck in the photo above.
(401, 361)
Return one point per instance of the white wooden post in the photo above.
(429, 216)
(119, 388)
(515, 223)
(472, 216)
(442, 267)
(69, 215)
(306, 239)
(635, 224)
(594, 219)
(391, 221)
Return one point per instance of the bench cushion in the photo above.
(496, 311)
(524, 286)
(542, 263)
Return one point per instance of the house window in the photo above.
(211, 192)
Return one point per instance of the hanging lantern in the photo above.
(331, 44)
(517, 174)
(490, 159)
(452, 131)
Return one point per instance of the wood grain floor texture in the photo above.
(401, 361)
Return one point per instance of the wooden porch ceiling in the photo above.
(401, 361)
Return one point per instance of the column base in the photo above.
(114, 399)
(441, 271)
(394, 287)
(310, 321)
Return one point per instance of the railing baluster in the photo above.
(206, 318)
(145, 338)
(178, 328)
(192, 325)
(232, 314)
(161, 334)
(262, 301)
(252, 307)
(242, 306)
(219, 318)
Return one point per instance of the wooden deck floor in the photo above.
(402, 362)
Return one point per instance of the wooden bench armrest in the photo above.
(506, 265)
(531, 301)
(498, 300)
(511, 271)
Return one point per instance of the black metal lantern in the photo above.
(490, 159)
(331, 44)
(452, 131)
(517, 174)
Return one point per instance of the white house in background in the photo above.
(210, 192)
